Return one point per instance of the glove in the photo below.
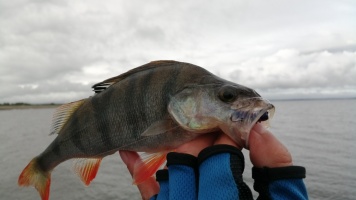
(215, 174)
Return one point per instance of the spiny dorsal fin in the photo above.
(62, 114)
(149, 165)
(87, 168)
(99, 87)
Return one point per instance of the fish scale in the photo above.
(153, 108)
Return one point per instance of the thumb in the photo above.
(266, 150)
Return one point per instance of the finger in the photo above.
(147, 188)
(266, 150)
(193, 147)
(225, 139)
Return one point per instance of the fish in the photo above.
(153, 108)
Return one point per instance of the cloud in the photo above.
(55, 50)
(290, 70)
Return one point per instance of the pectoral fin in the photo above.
(148, 166)
(159, 127)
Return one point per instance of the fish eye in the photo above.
(227, 94)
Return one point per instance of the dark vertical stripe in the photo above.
(76, 137)
(101, 110)
(130, 103)
(51, 155)
(170, 86)
(142, 94)
(56, 148)
(139, 113)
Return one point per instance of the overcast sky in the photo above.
(54, 51)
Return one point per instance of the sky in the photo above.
(53, 51)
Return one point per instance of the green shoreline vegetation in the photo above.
(21, 105)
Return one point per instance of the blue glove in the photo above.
(220, 173)
(215, 174)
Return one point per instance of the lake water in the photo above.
(320, 134)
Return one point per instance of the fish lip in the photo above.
(270, 107)
(255, 115)
(244, 126)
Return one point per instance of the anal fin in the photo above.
(87, 168)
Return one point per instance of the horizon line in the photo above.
(273, 99)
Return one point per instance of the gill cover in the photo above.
(194, 110)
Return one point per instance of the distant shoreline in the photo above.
(13, 106)
(29, 106)
(314, 99)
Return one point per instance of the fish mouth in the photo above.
(246, 115)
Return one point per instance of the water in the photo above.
(320, 135)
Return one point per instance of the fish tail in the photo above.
(33, 175)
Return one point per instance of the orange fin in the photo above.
(86, 168)
(33, 175)
(148, 166)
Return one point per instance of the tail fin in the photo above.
(33, 175)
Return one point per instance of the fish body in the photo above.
(152, 108)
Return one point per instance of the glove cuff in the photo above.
(174, 158)
(272, 174)
(220, 148)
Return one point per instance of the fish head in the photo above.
(232, 108)
(245, 111)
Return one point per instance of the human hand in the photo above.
(273, 171)
(150, 187)
(266, 150)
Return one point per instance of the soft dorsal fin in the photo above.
(99, 87)
(87, 168)
(146, 167)
(62, 114)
